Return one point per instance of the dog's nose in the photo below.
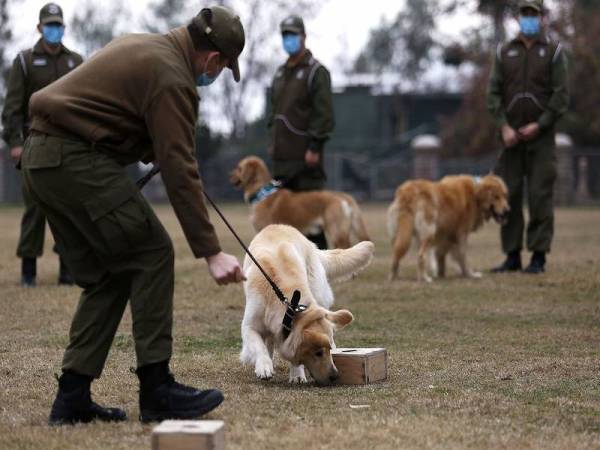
(334, 376)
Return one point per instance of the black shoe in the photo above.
(73, 403)
(28, 272)
(511, 264)
(28, 282)
(162, 398)
(537, 264)
(64, 276)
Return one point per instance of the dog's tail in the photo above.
(357, 224)
(401, 225)
(342, 264)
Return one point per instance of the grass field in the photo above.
(509, 361)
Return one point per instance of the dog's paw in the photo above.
(264, 369)
(427, 279)
(297, 375)
(298, 380)
(476, 275)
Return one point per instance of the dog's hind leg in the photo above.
(424, 253)
(255, 351)
(297, 374)
(440, 255)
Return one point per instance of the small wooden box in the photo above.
(189, 435)
(361, 365)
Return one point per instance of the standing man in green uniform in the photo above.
(527, 94)
(135, 100)
(301, 116)
(31, 71)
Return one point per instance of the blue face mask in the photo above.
(53, 34)
(292, 43)
(530, 26)
(205, 80)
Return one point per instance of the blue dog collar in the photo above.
(264, 192)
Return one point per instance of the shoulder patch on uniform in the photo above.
(512, 53)
(300, 74)
(542, 52)
(70, 63)
(39, 62)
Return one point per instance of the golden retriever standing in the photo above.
(295, 263)
(441, 215)
(336, 212)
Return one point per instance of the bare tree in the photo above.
(404, 45)
(165, 15)
(5, 40)
(94, 25)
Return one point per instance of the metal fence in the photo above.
(367, 178)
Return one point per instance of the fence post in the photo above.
(564, 186)
(426, 161)
(582, 193)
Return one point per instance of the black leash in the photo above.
(292, 307)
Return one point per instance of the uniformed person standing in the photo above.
(527, 95)
(32, 70)
(301, 116)
(135, 100)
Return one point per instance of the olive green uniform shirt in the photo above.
(136, 99)
(31, 71)
(528, 85)
(301, 113)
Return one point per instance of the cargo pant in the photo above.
(298, 177)
(114, 245)
(33, 228)
(530, 166)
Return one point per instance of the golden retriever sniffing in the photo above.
(441, 215)
(295, 263)
(336, 212)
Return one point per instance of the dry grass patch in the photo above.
(509, 361)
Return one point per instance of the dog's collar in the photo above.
(264, 192)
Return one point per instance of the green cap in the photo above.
(538, 5)
(225, 31)
(51, 13)
(293, 24)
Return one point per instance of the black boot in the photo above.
(73, 403)
(162, 398)
(511, 264)
(28, 272)
(537, 264)
(64, 276)
(319, 240)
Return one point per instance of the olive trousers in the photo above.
(113, 244)
(530, 166)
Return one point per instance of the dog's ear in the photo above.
(314, 339)
(340, 318)
(247, 173)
